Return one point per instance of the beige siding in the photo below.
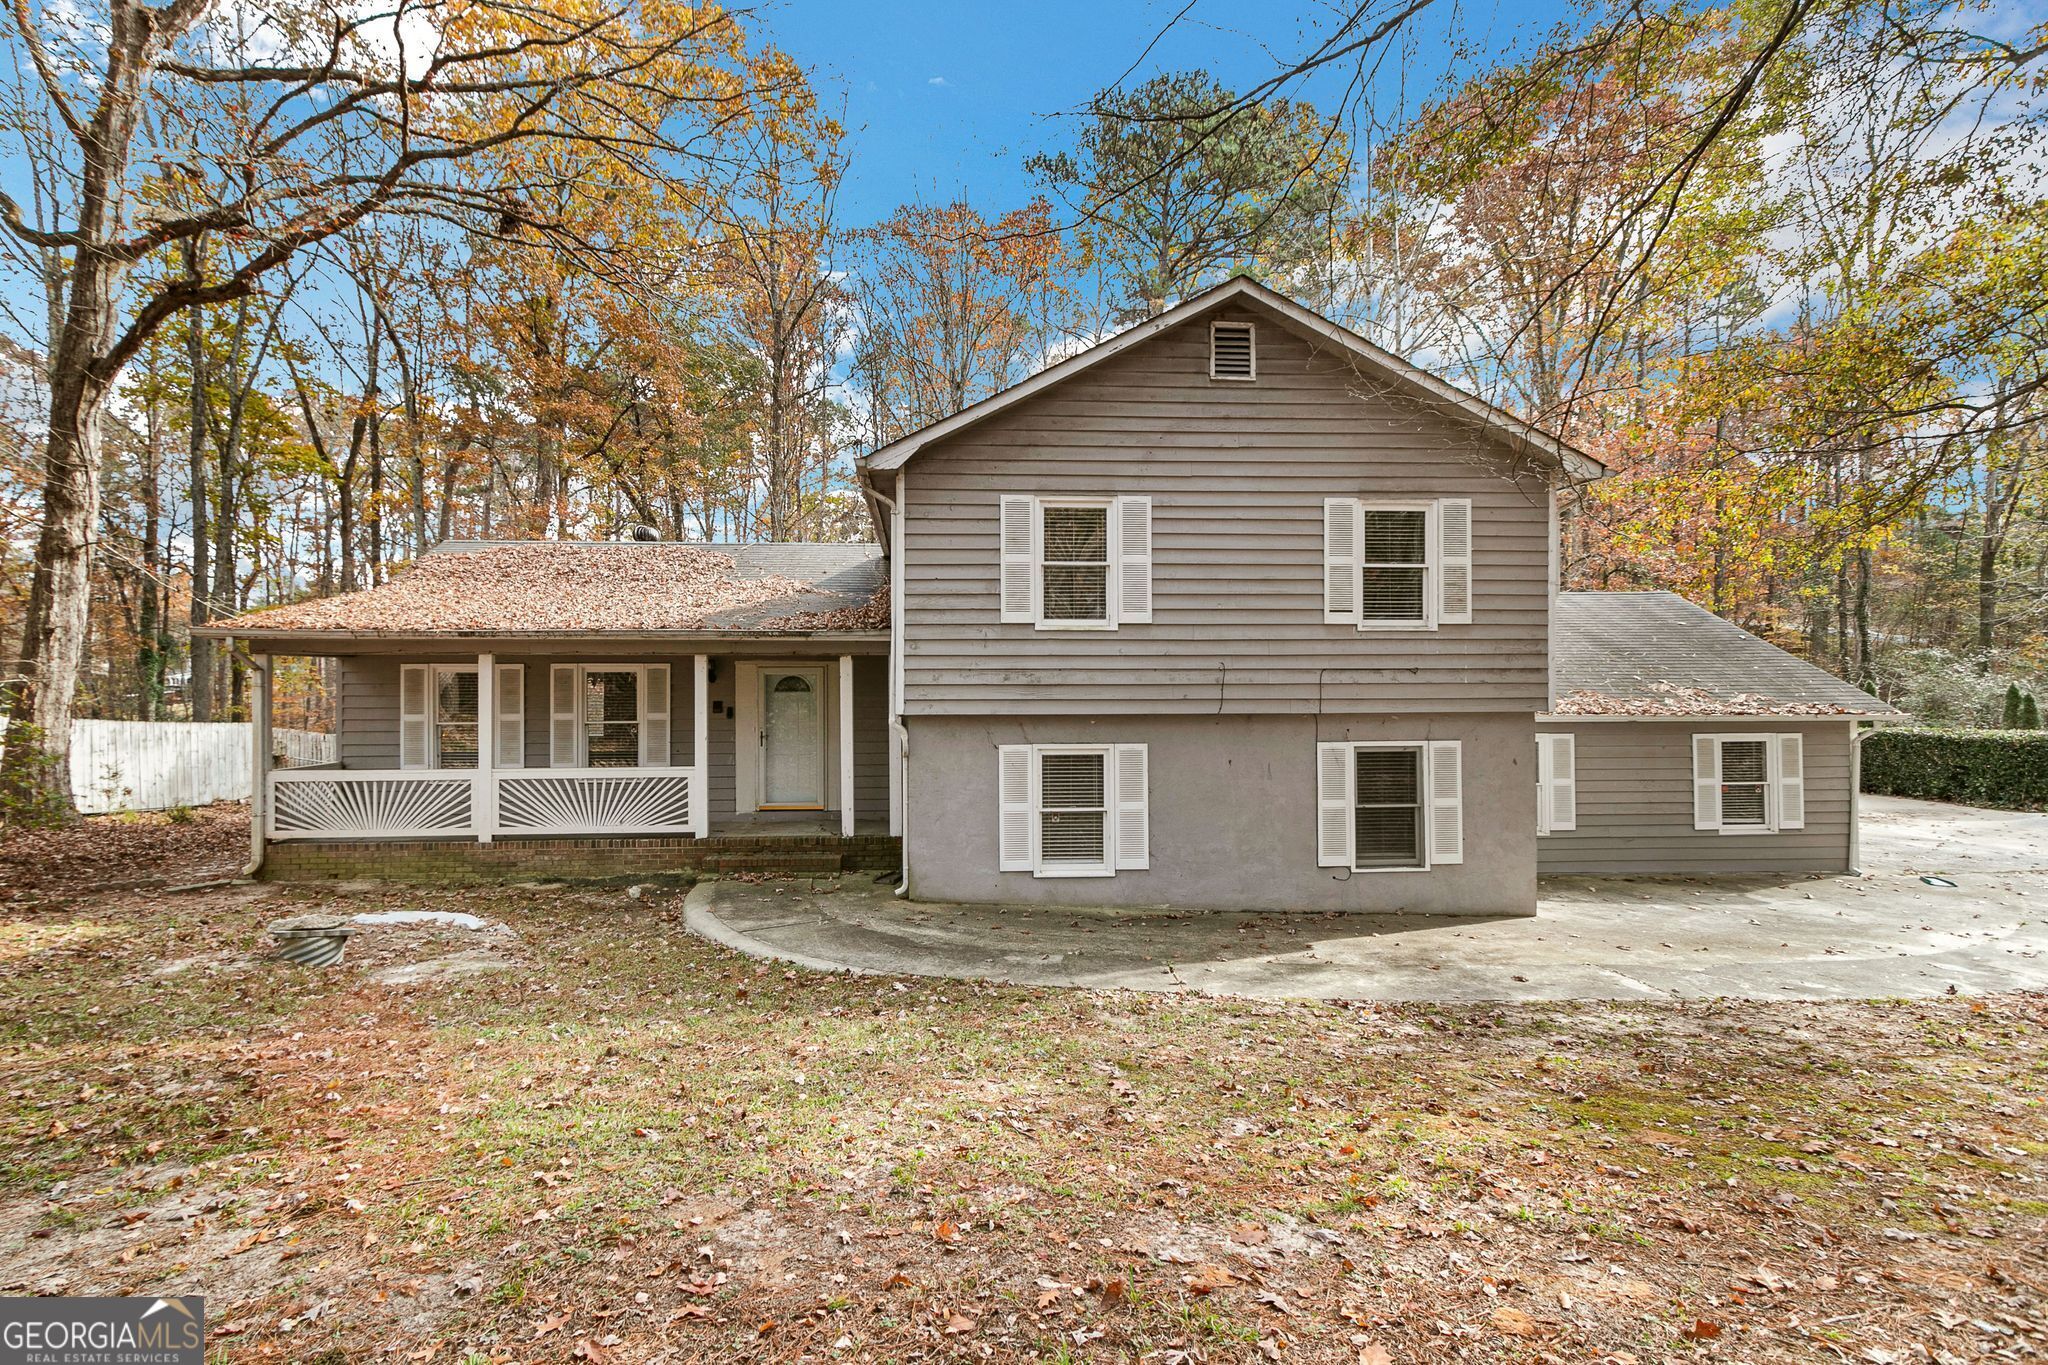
(1635, 805)
(1237, 473)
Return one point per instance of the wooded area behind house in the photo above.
(1783, 267)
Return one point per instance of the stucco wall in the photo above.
(1635, 804)
(1233, 814)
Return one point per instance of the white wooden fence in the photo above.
(154, 765)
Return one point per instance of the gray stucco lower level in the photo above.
(1232, 803)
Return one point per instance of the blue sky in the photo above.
(946, 99)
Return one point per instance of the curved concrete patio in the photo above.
(1886, 933)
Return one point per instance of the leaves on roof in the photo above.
(1674, 699)
(553, 586)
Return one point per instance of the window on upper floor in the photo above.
(1233, 351)
(1076, 563)
(1397, 565)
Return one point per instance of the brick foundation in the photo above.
(591, 859)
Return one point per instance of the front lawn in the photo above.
(625, 1144)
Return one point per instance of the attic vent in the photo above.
(1231, 351)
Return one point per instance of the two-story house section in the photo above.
(1232, 610)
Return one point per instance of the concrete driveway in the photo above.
(1886, 933)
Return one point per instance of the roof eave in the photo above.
(248, 632)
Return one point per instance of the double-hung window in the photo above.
(440, 723)
(609, 716)
(437, 716)
(1748, 783)
(1397, 565)
(1074, 559)
(1073, 810)
(1076, 563)
(1390, 806)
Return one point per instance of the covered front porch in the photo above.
(769, 740)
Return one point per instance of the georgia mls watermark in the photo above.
(109, 1331)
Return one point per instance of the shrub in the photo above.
(2011, 719)
(2030, 713)
(2004, 768)
(179, 815)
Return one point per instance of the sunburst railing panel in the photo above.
(595, 801)
(343, 804)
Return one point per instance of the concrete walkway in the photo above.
(1886, 933)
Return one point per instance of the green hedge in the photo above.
(2005, 768)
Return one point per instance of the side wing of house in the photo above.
(1701, 797)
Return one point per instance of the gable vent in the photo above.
(1232, 351)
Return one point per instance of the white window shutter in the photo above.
(1020, 558)
(1446, 802)
(1791, 782)
(509, 697)
(654, 709)
(1706, 782)
(1013, 852)
(415, 698)
(1454, 561)
(1333, 805)
(1341, 536)
(1134, 560)
(1133, 820)
(1556, 765)
(562, 727)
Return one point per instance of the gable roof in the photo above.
(546, 589)
(1383, 364)
(1656, 654)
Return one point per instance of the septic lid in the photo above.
(306, 925)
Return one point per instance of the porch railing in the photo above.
(359, 803)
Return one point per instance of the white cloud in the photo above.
(938, 80)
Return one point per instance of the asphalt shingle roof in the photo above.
(1654, 653)
(553, 587)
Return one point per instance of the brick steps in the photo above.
(594, 859)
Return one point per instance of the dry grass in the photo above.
(629, 1145)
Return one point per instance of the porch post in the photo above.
(846, 745)
(483, 802)
(259, 759)
(700, 748)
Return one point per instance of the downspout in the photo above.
(259, 761)
(898, 732)
(1858, 732)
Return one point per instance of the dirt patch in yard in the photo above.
(145, 848)
(628, 1145)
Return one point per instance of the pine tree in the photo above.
(2030, 713)
(2012, 706)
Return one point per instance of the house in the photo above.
(1231, 610)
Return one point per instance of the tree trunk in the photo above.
(199, 691)
(36, 770)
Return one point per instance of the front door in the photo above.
(793, 739)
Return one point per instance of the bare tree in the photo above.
(281, 124)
